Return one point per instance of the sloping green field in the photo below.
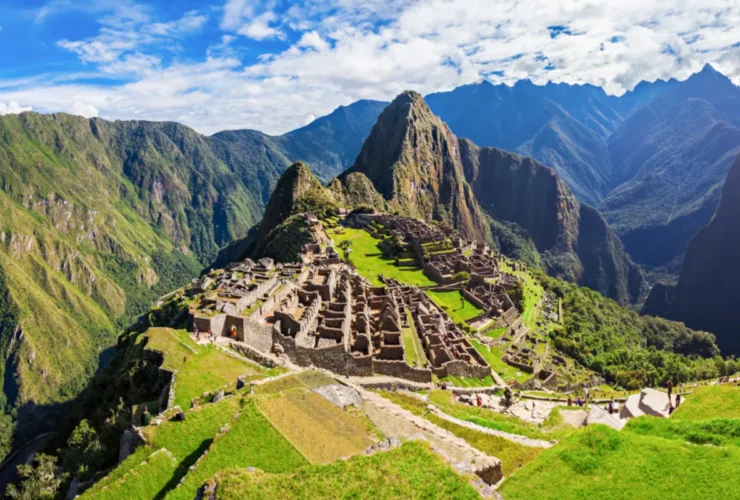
(599, 462)
(409, 472)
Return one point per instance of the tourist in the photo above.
(669, 385)
(678, 400)
(579, 402)
(146, 417)
(232, 332)
(610, 408)
(570, 400)
(479, 400)
(197, 334)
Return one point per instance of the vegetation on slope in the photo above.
(411, 471)
(627, 349)
(599, 461)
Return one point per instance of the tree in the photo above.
(462, 276)
(38, 481)
(731, 367)
(721, 366)
(83, 449)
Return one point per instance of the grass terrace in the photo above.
(411, 471)
(714, 401)
(369, 260)
(200, 368)
(455, 305)
(319, 430)
(415, 355)
(493, 355)
(251, 440)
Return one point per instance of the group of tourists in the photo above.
(209, 336)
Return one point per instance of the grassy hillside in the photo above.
(601, 462)
(410, 471)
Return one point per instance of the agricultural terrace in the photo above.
(369, 260)
(200, 368)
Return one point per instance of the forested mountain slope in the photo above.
(707, 295)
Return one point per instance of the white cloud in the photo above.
(12, 108)
(262, 28)
(83, 109)
(119, 44)
(344, 50)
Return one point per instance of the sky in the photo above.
(276, 65)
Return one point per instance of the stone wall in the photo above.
(255, 355)
(252, 296)
(272, 301)
(213, 324)
(400, 369)
(335, 358)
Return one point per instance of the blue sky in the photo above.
(275, 65)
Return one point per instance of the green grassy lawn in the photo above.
(453, 303)
(411, 471)
(713, 431)
(533, 292)
(496, 333)
(599, 462)
(205, 369)
(369, 261)
(715, 401)
(493, 356)
(251, 441)
(469, 382)
(512, 455)
(415, 355)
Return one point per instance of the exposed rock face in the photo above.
(413, 160)
(707, 294)
(575, 242)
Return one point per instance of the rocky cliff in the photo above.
(707, 294)
(573, 239)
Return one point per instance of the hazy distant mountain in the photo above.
(329, 144)
(670, 160)
(707, 293)
(561, 125)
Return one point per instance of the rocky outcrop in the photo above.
(707, 293)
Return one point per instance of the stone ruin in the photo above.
(321, 313)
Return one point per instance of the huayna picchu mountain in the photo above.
(706, 296)
(412, 159)
(422, 170)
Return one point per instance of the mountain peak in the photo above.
(413, 160)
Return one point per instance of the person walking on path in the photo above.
(669, 386)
